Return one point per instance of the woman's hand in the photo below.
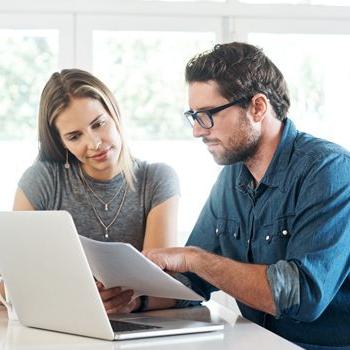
(117, 301)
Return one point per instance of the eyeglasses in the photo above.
(205, 117)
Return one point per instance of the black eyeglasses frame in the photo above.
(192, 116)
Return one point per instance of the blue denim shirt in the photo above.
(297, 221)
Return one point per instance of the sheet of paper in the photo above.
(121, 265)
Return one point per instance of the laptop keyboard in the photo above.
(122, 326)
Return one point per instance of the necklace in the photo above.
(98, 217)
(105, 204)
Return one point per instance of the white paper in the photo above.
(121, 265)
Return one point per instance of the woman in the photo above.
(84, 166)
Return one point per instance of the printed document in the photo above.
(121, 265)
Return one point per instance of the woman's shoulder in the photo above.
(40, 168)
(159, 182)
(153, 170)
(38, 181)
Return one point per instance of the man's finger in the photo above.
(123, 309)
(99, 285)
(118, 301)
(107, 294)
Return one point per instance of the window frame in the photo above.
(241, 27)
(63, 23)
(86, 24)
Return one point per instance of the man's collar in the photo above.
(273, 176)
(278, 165)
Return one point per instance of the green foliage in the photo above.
(308, 95)
(26, 62)
(145, 71)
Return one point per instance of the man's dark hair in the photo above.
(241, 71)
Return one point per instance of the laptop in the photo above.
(51, 286)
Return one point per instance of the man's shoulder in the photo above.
(313, 148)
(318, 160)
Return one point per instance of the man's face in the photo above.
(234, 136)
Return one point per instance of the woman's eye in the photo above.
(73, 137)
(99, 124)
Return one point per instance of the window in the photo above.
(190, 0)
(316, 70)
(32, 47)
(145, 70)
(28, 57)
(300, 2)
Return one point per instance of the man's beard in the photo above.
(242, 151)
(242, 154)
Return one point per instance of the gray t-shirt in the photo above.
(49, 186)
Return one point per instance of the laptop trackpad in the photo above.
(124, 326)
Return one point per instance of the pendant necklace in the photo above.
(98, 217)
(105, 204)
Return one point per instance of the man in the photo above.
(275, 231)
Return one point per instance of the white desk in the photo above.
(238, 334)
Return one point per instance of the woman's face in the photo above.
(90, 134)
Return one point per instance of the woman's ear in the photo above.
(259, 104)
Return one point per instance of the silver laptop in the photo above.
(51, 285)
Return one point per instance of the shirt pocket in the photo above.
(272, 241)
(229, 236)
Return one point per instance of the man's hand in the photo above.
(117, 301)
(174, 259)
(246, 282)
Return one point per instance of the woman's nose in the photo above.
(94, 143)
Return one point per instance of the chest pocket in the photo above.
(229, 236)
(272, 240)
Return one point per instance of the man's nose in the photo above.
(199, 131)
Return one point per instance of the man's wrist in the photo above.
(142, 304)
(194, 260)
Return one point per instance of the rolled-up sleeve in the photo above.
(318, 255)
(283, 278)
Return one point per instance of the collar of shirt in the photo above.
(274, 176)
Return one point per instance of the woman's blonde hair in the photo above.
(56, 97)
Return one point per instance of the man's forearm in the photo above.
(154, 303)
(245, 282)
(160, 303)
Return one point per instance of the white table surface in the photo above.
(238, 334)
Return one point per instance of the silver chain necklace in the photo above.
(105, 204)
(98, 217)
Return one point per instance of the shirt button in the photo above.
(217, 231)
(267, 237)
(235, 235)
(284, 232)
(248, 241)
